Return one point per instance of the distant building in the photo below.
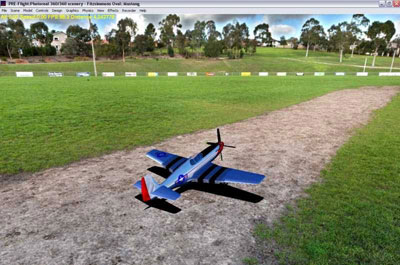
(37, 43)
(59, 39)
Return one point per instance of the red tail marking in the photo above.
(145, 192)
(221, 146)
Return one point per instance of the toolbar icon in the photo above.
(3, 3)
(389, 3)
(396, 3)
(382, 3)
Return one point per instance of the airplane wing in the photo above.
(214, 174)
(167, 160)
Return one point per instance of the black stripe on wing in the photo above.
(217, 174)
(173, 161)
(205, 173)
(177, 164)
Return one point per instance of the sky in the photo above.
(280, 25)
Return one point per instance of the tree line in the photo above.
(203, 39)
(16, 40)
(357, 35)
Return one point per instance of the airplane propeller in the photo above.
(220, 143)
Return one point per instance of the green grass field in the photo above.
(265, 60)
(353, 216)
(46, 122)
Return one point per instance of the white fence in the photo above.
(389, 74)
(130, 74)
(362, 74)
(195, 74)
(108, 74)
(24, 74)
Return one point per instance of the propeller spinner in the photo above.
(221, 144)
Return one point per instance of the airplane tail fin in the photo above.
(147, 185)
(150, 189)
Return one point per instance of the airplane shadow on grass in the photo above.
(217, 189)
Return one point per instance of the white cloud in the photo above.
(279, 30)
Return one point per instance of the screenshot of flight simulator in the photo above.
(199, 132)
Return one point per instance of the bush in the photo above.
(171, 52)
(47, 50)
(107, 50)
(74, 47)
(213, 48)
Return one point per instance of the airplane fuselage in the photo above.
(185, 172)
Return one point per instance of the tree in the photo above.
(151, 35)
(312, 33)
(380, 34)
(198, 35)
(77, 41)
(358, 24)
(14, 37)
(6, 39)
(262, 34)
(78, 33)
(40, 32)
(283, 41)
(188, 39)
(171, 52)
(235, 37)
(212, 32)
(294, 42)
(125, 34)
(140, 44)
(253, 46)
(168, 26)
(342, 35)
(181, 43)
(360, 20)
(3, 39)
(71, 47)
(213, 48)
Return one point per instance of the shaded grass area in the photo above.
(353, 216)
(46, 122)
(266, 59)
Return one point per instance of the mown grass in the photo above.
(46, 122)
(353, 216)
(265, 60)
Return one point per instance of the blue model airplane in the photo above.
(193, 169)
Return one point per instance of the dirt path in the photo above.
(86, 213)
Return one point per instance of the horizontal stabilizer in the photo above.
(138, 185)
(165, 193)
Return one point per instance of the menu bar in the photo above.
(201, 7)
